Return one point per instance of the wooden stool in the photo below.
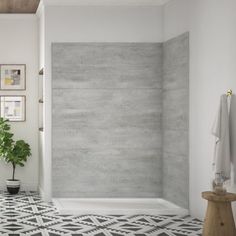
(219, 219)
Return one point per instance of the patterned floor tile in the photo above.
(25, 214)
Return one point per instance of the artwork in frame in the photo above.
(13, 108)
(13, 77)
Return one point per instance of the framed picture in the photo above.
(13, 77)
(13, 108)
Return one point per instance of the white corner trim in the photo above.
(104, 2)
(40, 8)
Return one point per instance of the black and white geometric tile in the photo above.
(27, 214)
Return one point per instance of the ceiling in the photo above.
(18, 6)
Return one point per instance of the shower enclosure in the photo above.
(120, 123)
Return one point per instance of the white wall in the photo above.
(19, 44)
(103, 24)
(212, 72)
(91, 24)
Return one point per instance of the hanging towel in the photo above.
(232, 132)
(222, 160)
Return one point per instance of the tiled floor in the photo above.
(27, 214)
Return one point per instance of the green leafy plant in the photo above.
(14, 152)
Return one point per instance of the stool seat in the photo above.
(211, 196)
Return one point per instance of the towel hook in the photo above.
(229, 92)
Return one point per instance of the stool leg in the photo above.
(219, 220)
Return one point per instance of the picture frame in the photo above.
(13, 77)
(13, 107)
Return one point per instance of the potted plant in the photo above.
(13, 152)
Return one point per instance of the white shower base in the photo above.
(127, 206)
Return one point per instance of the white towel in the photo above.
(222, 160)
(232, 132)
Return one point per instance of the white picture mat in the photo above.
(13, 108)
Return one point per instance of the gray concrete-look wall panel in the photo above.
(176, 63)
(176, 178)
(175, 141)
(122, 172)
(107, 107)
(176, 111)
(175, 120)
(120, 119)
(107, 65)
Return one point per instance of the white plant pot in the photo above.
(13, 186)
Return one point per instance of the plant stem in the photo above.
(13, 174)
